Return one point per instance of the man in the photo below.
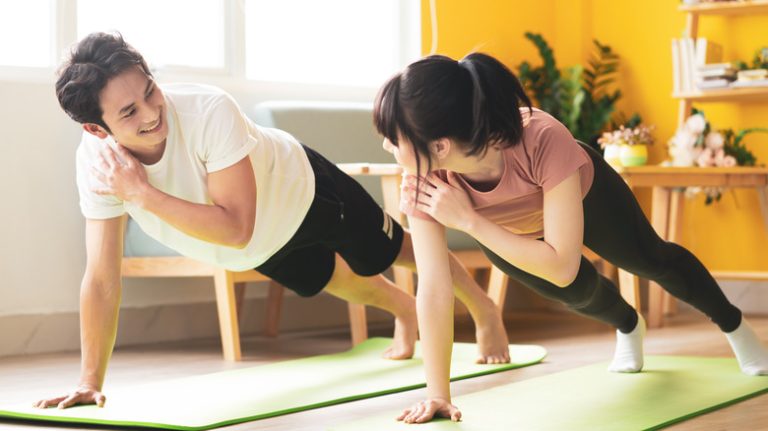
(197, 175)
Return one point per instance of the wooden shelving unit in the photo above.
(744, 94)
(727, 8)
(748, 177)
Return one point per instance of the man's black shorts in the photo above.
(344, 219)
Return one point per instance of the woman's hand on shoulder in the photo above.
(446, 202)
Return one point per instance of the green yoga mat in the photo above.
(269, 390)
(670, 389)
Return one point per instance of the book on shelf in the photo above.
(686, 73)
(752, 74)
(694, 60)
(708, 52)
(724, 65)
(716, 73)
(710, 84)
(750, 83)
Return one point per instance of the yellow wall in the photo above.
(726, 236)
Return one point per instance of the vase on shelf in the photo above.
(612, 155)
(633, 155)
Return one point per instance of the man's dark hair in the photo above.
(91, 64)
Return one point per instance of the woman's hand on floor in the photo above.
(423, 411)
(81, 395)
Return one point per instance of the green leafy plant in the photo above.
(578, 97)
(759, 61)
(735, 147)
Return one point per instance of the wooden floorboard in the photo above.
(571, 340)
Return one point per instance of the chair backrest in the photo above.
(341, 131)
(138, 244)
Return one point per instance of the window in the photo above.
(345, 42)
(166, 32)
(26, 33)
(267, 45)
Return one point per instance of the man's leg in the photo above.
(378, 292)
(489, 326)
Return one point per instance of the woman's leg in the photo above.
(594, 296)
(616, 229)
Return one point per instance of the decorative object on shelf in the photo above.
(577, 96)
(697, 144)
(759, 61)
(627, 146)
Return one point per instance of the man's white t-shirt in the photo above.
(207, 132)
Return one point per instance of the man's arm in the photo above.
(100, 295)
(229, 220)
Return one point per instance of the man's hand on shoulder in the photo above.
(125, 179)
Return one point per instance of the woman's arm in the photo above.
(556, 259)
(434, 307)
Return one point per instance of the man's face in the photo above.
(135, 112)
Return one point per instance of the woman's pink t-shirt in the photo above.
(547, 155)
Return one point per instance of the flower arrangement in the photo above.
(638, 135)
(627, 145)
(697, 144)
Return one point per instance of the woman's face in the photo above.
(405, 155)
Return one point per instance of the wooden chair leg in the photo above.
(358, 323)
(497, 286)
(274, 307)
(239, 300)
(227, 307)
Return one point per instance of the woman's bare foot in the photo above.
(404, 339)
(492, 342)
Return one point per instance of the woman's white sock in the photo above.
(750, 351)
(628, 357)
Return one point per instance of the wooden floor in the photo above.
(572, 341)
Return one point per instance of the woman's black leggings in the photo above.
(616, 229)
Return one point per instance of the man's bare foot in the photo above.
(406, 330)
(492, 342)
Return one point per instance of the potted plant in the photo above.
(577, 96)
(627, 145)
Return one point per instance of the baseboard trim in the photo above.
(58, 332)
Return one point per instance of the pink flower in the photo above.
(729, 161)
(719, 157)
(714, 140)
(706, 158)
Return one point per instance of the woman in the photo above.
(484, 162)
